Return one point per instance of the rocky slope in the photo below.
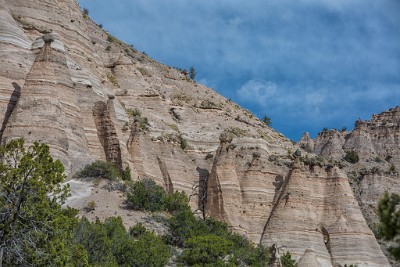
(376, 142)
(68, 83)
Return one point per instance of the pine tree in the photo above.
(192, 73)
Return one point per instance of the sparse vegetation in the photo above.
(238, 132)
(182, 142)
(180, 99)
(144, 71)
(108, 48)
(207, 104)
(144, 123)
(173, 127)
(174, 138)
(287, 260)
(85, 13)
(267, 121)
(111, 38)
(313, 160)
(90, 206)
(113, 79)
(135, 113)
(392, 169)
(351, 157)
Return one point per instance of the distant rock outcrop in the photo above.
(376, 143)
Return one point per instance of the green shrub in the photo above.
(176, 202)
(100, 169)
(392, 169)
(351, 157)
(149, 250)
(143, 121)
(126, 174)
(137, 230)
(182, 142)
(246, 254)
(287, 261)
(182, 225)
(208, 249)
(111, 38)
(94, 238)
(205, 242)
(146, 195)
(109, 244)
(133, 112)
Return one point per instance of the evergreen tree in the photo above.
(34, 229)
(267, 120)
(389, 216)
(192, 73)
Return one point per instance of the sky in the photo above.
(306, 64)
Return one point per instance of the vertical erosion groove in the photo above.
(168, 186)
(10, 107)
(107, 133)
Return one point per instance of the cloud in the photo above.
(307, 63)
(257, 91)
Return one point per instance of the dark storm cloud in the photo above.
(307, 64)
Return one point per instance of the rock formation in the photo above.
(67, 82)
(317, 209)
(376, 142)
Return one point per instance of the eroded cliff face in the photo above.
(295, 206)
(376, 142)
(318, 210)
(68, 83)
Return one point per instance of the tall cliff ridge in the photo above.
(68, 83)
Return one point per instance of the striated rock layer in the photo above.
(66, 82)
(316, 209)
(376, 142)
